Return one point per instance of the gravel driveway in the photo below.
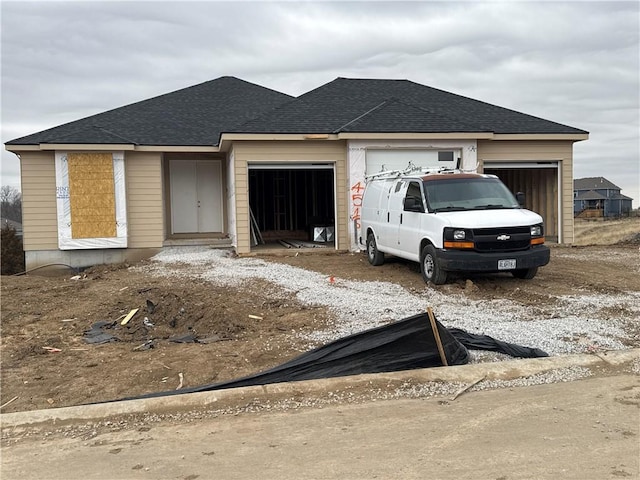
(559, 324)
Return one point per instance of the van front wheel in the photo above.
(375, 256)
(431, 271)
(525, 273)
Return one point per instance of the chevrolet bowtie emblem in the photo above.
(503, 237)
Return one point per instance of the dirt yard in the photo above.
(581, 430)
(47, 362)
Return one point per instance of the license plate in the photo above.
(509, 264)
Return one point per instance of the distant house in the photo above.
(17, 226)
(598, 197)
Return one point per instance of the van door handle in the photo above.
(400, 219)
(388, 217)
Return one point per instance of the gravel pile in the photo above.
(571, 324)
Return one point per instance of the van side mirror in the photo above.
(520, 198)
(413, 204)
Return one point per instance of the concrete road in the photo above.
(586, 429)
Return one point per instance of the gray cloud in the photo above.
(572, 62)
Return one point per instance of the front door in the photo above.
(196, 196)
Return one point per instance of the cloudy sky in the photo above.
(575, 63)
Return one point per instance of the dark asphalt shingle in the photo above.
(191, 116)
(394, 116)
(198, 115)
(338, 103)
(593, 183)
(589, 195)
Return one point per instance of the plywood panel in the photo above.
(92, 195)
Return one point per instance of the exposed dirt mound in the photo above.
(47, 360)
(232, 331)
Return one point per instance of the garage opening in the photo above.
(539, 182)
(292, 206)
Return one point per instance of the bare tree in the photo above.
(11, 203)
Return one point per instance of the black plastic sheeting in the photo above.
(484, 342)
(403, 345)
(97, 335)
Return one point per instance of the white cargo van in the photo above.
(450, 221)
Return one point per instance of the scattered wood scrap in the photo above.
(129, 316)
(467, 387)
(9, 402)
(300, 244)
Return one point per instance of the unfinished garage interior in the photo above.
(539, 182)
(292, 206)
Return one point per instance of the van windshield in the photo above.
(453, 194)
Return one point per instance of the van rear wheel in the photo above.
(375, 256)
(430, 268)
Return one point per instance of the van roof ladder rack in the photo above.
(409, 170)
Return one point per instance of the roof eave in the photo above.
(227, 138)
(179, 148)
(15, 148)
(416, 135)
(87, 146)
(112, 147)
(576, 137)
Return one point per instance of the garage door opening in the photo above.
(539, 183)
(292, 206)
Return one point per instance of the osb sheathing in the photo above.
(92, 195)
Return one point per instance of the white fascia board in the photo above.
(418, 136)
(541, 136)
(111, 147)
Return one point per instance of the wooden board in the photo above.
(92, 195)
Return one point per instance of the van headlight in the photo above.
(536, 230)
(537, 234)
(458, 238)
(459, 234)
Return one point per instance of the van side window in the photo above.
(413, 198)
(398, 186)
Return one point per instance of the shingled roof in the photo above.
(198, 115)
(593, 183)
(589, 195)
(377, 106)
(192, 116)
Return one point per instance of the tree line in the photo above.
(11, 254)
(11, 203)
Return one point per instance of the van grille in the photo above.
(486, 239)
